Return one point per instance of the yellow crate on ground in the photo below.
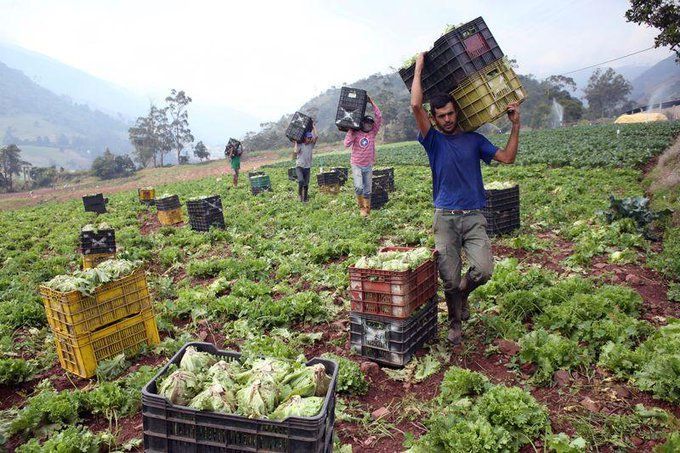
(95, 259)
(72, 313)
(146, 194)
(332, 189)
(171, 217)
(484, 97)
(80, 355)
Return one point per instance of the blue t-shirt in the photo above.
(456, 171)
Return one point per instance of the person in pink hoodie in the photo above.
(362, 157)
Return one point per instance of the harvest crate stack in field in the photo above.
(97, 245)
(393, 312)
(147, 195)
(259, 182)
(502, 208)
(329, 182)
(388, 182)
(98, 322)
(467, 63)
(343, 173)
(351, 108)
(205, 212)
(95, 203)
(169, 210)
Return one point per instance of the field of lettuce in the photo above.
(574, 345)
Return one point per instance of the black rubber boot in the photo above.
(301, 191)
(305, 193)
(453, 303)
(466, 286)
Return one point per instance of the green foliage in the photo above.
(460, 382)
(109, 166)
(14, 371)
(671, 445)
(74, 439)
(350, 378)
(112, 368)
(674, 292)
(48, 407)
(550, 352)
(667, 262)
(561, 443)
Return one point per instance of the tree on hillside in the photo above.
(109, 166)
(179, 120)
(663, 15)
(151, 137)
(201, 151)
(606, 93)
(10, 165)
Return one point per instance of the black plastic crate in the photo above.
(167, 203)
(390, 341)
(233, 147)
(501, 222)
(299, 125)
(292, 174)
(205, 222)
(351, 108)
(172, 428)
(101, 241)
(328, 178)
(205, 206)
(259, 190)
(255, 173)
(379, 197)
(95, 203)
(342, 171)
(502, 199)
(454, 57)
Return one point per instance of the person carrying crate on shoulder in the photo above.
(458, 193)
(234, 152)
(362, 157)
(303, 162)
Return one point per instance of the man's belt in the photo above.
(457, 211)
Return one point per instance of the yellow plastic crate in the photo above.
(484, 97)
(95, 259)
(147, 194)
(72, 313)
(81, 354)
(170, 217)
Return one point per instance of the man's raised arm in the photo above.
(507, 155)
(422, 119)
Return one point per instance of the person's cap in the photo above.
(309, 135)
(369, 118)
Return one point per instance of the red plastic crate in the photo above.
(394, 294)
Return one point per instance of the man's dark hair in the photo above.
(439, 101)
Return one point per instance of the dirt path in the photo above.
(143, 178)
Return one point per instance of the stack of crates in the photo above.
(389, 173)
(233, 148)
(171, 427)
(147, 195)
(259, 182)
(205, 213)
(169, 210)
(299, 125)
(95, 203)
(329, 182)
(467, 63)
(116, 319)
(502, 211)
(379, 194)
(97, 247)
(351, 108)
(393, 313)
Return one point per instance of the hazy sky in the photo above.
(268, 57)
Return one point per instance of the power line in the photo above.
(608, 61)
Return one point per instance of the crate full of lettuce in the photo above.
(207, 399)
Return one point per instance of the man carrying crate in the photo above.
(303, 162)
(234, 152)
(458, 193)
(362, 157)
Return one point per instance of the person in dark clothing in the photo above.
(303, 162)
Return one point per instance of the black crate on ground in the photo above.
(502, 199)
(95, 203)
(351, 108)
(343, 171)
(328, 178)
(167, 203)
(299, 125)
(172, 428)
(255, 173)
(205, 222)
(292, 174)
(385, 178)
(454, 57)
(501, 222)
(379, 197)
(205, 206)
(95, 242)
(390, 341)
